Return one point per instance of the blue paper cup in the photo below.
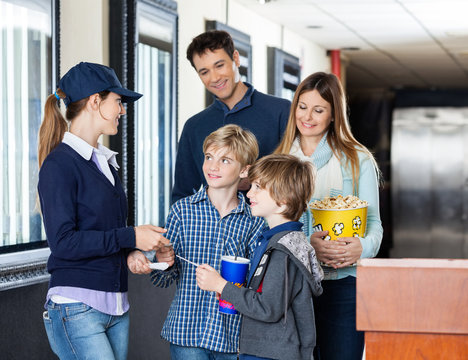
(234, 271)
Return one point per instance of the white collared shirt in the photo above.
(104, 155)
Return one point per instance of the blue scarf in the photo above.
(322, 153)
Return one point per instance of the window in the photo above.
(27, 77)
(154, 114)
(284, 73)
(143, 53)
(25, 82)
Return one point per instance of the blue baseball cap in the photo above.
(86, 79)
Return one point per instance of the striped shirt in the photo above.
(198, 234)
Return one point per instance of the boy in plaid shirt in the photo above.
(277, 302)
(214, 222)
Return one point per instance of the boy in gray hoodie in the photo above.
(276, 304)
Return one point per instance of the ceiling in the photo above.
(400, 43)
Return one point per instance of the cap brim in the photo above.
(127, 95)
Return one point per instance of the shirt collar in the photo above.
(199, 196)
(290, 225)
(202, 195)
(242, 104)
(109, 154)
(86, 150)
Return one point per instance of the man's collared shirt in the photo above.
(264, 115)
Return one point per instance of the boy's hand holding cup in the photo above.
(208, 279)
(233, 269)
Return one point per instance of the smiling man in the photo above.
(216, 62)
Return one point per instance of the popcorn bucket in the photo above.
(340, 222)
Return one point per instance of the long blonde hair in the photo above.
(339, 136)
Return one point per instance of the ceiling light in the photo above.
(314, 26)
(454, 33)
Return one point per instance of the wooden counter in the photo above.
(413, 308)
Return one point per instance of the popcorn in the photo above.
(341, 216)
(339, 202)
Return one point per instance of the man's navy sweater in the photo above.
(85, 221)
(264, 115)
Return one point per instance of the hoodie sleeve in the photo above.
(268, 305)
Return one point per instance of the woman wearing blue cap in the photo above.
(84, 210)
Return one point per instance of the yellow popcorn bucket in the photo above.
(340, 222)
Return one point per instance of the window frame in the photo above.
(123, 38)
(278, 62)
(26, 264)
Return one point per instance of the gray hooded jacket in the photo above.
(278, 319)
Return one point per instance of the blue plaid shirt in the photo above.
(199, 234)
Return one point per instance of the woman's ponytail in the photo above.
(53, 127)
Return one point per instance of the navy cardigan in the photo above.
(85, 222)
(264, 115)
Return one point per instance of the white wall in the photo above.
(84, 35)
(84, 32)
(263, 33)
(311, 56)
(192, 16)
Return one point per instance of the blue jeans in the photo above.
(195, 353)
(77, 331)
(252, 357)
(335, 321)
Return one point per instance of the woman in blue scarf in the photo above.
(318, 130)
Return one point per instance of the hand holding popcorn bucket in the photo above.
(340, 216)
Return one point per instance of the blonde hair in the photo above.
(240, 142)
(288, 179)
(54, 125)
(339, 136)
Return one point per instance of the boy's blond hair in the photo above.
(240, 142)
(289, 180)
